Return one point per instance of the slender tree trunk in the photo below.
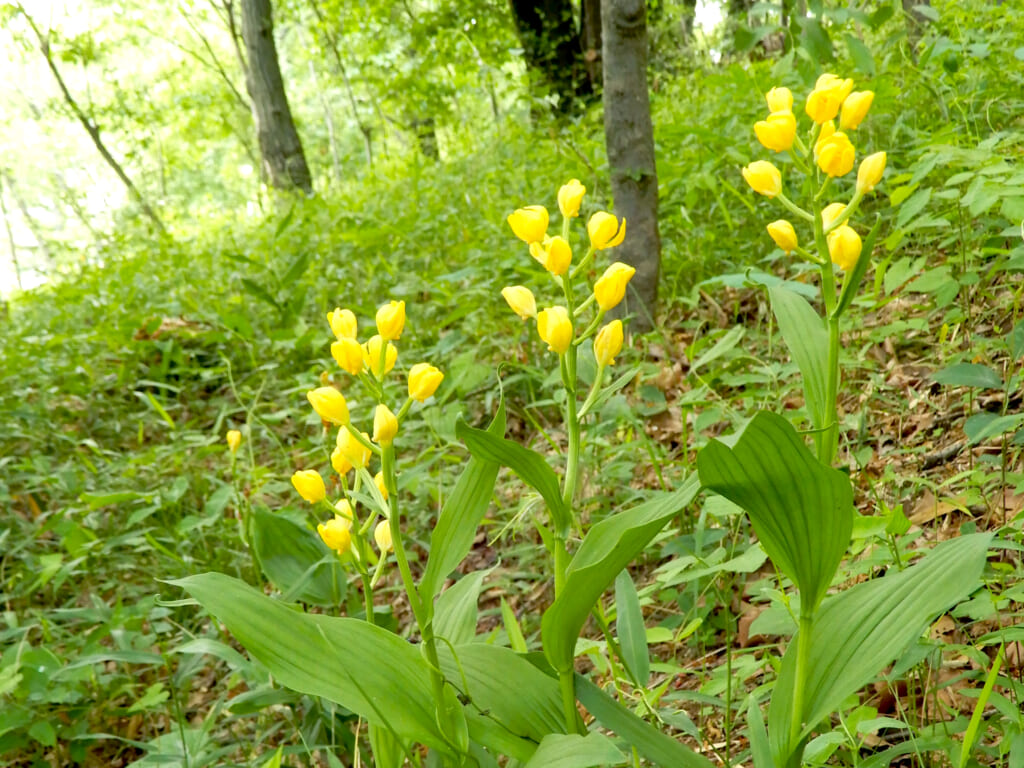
(33, 227)
(915, 23)
(629, 136)
(90, 126)
(590, 35)
(280, 147)
(10, 235)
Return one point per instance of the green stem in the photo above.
(803, 648)
(793, 207)
(827, 441)
(567, 684)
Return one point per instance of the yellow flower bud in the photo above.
(345, 515)
(554, 254)
(605, 231)
(391, 320)
(570, 195)
(828, 95)
(378, 480)
(341, 465)
(521, 300)
(827, 129)
(343, 323)
(385, 425)
(329, 404)
(855, 109)
(382, 535)
(844, 247)
(830, 213)
(784, 235)
(348, 353)
(335, 534)
(234, 438)
(555, 328)
(424, 379)
(371, 357)
(836, 155)
(610, 288)
(778, 131)
(310, 485)
(354, 452)
(763, 177)
(779, 99)
(608, 343)
(530, 224)
(870, 172)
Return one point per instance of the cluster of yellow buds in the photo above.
(368, 363)
(556, 325)
(832, 153)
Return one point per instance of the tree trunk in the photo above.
(629, 137)
(10, 235)
(552, 49)
(590, 35)
(915, 23)
(280, 147)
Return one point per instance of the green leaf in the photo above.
(969, 375)
(43, 732)
(650, 742)
(760, 747)
(528, 465)
(860, 54)
(606, 549)
(296, 561)
(629, 625)
(858, 632)
(851, 284)
(364, 668)
(801, 510)
(559, 750)
(807, 339)
(982, 426)
(816, 42)
(455, 613)
(453, 535)
(275, 759)
(515, 634)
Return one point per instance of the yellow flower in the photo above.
(784, 235)
(424, 379)
(343, 323)
(335, 534)
(778, 131)
(779, 99)
(371, 356)
(310, 485)
(354, 452)
(378, 480)
(827, 129)
(348, 353)
(391, 320)
(870, 172)
(830, 213)
(554, 254)
(844, 247)
(555, 328)
(234, 438)
(836, 155)
(763, 177)
(345, 513)
(570, 195)
(855, 109)
(385, 425)
(329, 404)
(610, 288)
(520, 298)
(608, 343)
(530, 224)
(828, 95)
(382, 535)
(605, 231)
(341, 465)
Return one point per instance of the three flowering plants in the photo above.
(449, 697)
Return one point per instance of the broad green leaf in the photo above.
(629, 625)
(606, 549)
(503, 684)
(650, 742)
(455, 613)
(388, 751)
(860, 54)
(858, 632)
(807, 339)
(452, 537)
(723, 345)
(275, 759)
(512, 629)
(364, 668)
(969, 375)
(852, 281)
(760, 747)
(528, 465)
(982, 426)
(801, 510)
(561, 750)
(296, 561)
